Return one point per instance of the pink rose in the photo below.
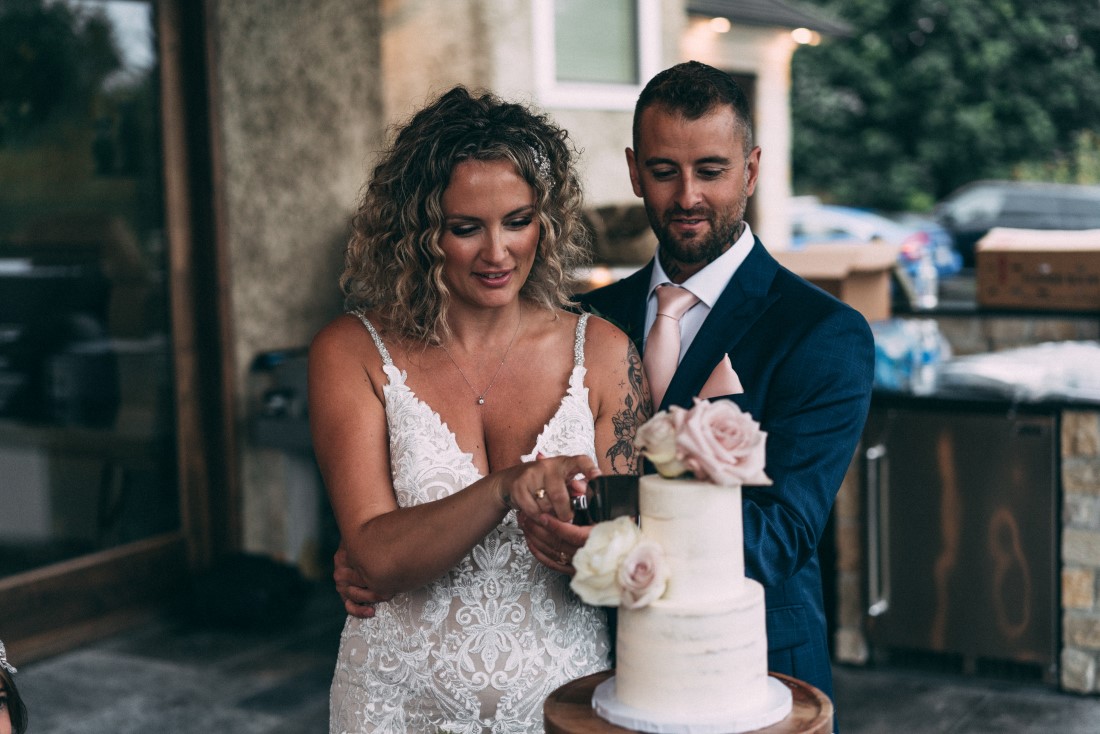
(720, 443)
(643, 575)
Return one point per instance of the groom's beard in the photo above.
(723, 232)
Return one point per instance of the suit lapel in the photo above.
(743, 301)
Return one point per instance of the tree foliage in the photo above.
(930, 94)
(53, 58)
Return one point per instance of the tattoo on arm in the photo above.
(636, 409)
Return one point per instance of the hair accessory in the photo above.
(4, 660)
(542, 163)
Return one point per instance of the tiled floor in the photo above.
(894, 701)
(171, 677)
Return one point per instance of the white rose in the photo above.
(597, 562)
(643, 575)
(656, 438)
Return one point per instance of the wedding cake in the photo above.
(691, 644)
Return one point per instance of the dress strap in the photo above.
(578, 341)
(386, 360)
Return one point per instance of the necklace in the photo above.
(481, 397)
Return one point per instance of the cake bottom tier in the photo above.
(683, 658)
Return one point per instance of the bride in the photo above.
(455, 395)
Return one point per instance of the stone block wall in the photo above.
(1080, 656)
(850, 644)
(970, 335)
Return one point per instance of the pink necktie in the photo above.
(662, 348)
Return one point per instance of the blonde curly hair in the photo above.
(393, 262)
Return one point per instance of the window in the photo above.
(595, 54)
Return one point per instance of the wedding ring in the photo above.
(540, 493)
(562, 557)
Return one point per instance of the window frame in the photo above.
(593, 95)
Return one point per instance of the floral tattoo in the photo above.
(636, 409)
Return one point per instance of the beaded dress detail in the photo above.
(480, 648)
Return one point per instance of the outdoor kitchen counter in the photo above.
(972, 431)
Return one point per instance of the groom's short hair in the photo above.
(693, 89)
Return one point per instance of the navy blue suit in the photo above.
(806, 362)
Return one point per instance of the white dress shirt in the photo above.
(707, 285)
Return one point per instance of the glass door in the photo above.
(86, 427)
(96, 513)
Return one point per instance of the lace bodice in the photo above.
(480, 648)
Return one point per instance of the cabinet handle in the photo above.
(878, 530)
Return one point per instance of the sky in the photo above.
(133, 24)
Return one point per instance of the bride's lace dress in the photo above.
(479, 649)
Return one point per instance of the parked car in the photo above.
(814, 223)
(972, 210)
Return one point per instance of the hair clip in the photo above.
(542, 163)
(4, 660)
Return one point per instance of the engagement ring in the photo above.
(540, 493)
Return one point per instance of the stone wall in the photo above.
(850, 643)
(970, 335)
(297, 105)
(1080, 656)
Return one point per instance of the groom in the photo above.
(803, 359)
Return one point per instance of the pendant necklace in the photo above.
(481, 397)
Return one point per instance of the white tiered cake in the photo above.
(692, 643)
(694, 660)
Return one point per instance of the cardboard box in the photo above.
(859, 275)
(1039, 269)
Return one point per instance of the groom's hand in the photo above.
(359, 601)
(553, 542)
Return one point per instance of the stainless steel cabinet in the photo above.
(962, 534)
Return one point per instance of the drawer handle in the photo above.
(878, 530)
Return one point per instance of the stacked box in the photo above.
(1055, 270)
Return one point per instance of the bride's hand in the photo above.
(553, 542)
(543, 486)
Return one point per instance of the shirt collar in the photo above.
(709, 282)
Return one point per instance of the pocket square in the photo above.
(723, 381)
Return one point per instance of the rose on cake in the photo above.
(617, 567)
(643, 575)
(714, 442)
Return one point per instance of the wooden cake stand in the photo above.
(568, 710)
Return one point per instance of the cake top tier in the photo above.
(698, 527)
